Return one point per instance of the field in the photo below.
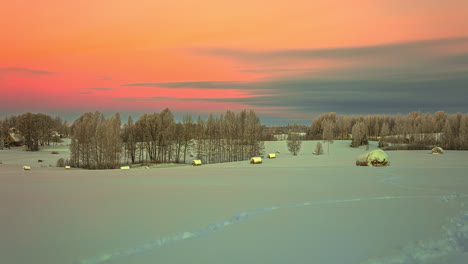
(292, 209)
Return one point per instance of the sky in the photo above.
(288, 60)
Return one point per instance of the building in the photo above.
(13, 139)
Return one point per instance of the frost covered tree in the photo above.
(318, 149)
(188, 128)
(96, 141)
(328, 126)
(359, 134)
(294, 140)
(447, 135)
(463, 133)
(129, 139)
(384, 132)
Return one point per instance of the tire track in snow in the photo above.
(453, 242)
(394, 176)
(235, 219)
(241, 217)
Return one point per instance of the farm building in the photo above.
(13, 139)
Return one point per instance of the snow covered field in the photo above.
(303, 209)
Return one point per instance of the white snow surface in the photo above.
(292, 209)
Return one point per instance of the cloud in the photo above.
(427, 75)
(403, 49)
(25, 71)
(311, 96)
(201, 85)
(151, 98)
(104, 78)
(100, 89)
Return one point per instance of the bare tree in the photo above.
(318, 149)
(96, 141)
(188, 133)
(129, 139)
(28, 125)
(359, 134)
(384, 132)
(294, 141)
(328, 132)
(448, 135)
(463, 133)
(3, 133)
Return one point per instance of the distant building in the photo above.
(281, 137)
(13, 139)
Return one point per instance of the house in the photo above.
(13, 139)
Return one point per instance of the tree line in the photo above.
(100, 143)
(35, 129)
(417, 129)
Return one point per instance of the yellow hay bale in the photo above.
(196, 163)
(272, 156)
(67, 167)
(26, 167)
(437, 150)
(375, 158)
(256, 160)
(125, 167)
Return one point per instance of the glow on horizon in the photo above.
(68, 55)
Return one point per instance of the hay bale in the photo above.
(67, 167)
(39, 160)
(278, 152)
(196, 163)
(437, 150)
(375, 158)
(272, 156)
(125, 167)
(256, 160)
(26, 167)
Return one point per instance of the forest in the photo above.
(414, 131)
(100, 142)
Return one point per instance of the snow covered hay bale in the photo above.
(196, 163)
(125, 167)
(26, 167)
(375, 158)
(256, 160)
(272, 156)
(437, 150)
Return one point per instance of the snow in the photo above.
(292, 209)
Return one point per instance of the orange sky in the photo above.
(107, 44)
